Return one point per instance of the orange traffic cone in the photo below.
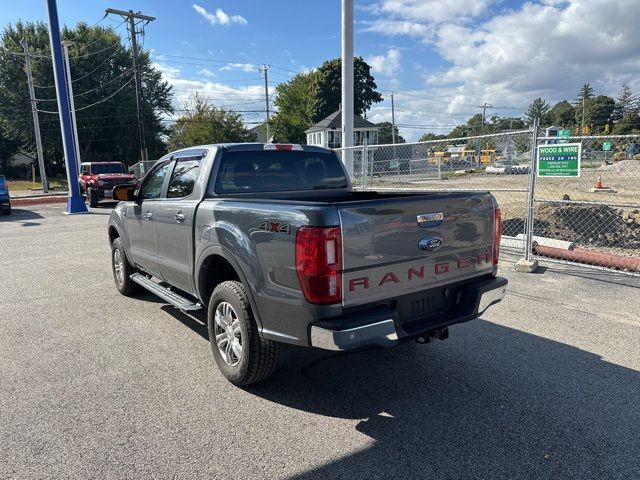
(599, 183)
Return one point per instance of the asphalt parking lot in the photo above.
(96, 385)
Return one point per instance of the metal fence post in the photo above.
(364, 164)
(527, 264)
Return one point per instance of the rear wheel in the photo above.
(241, 355)
(122, 270)
(92, 195)
(6, 210)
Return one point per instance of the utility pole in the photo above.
(75, 202)
(584, 94)
(265, 70)
(131, 16)
(484, 107)
(72, 106)
(347, 85)
(34, 113)
(393, 119)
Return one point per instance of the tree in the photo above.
(104, 93)
(8, 146)
(326, 93)
(539, 109)
(599, 110)
(562, 114)
(293, 99)
(584, 94)
(428, 137)
(202, 123)
(385, 136)
(626, 103)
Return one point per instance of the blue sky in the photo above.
(444, 57)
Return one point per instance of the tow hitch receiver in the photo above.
(441, 334)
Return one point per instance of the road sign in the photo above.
(561, 160)
(564, 133)
(606, 146)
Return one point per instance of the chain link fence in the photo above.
(591, 219)
(140, 169)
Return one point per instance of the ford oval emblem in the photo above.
(430, 243)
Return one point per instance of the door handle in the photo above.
(148, 216)
(180, 217)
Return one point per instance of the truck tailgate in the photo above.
(404, 245)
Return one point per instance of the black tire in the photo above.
(6, 210)
(124, 284)
(259, 356)
(92, 195)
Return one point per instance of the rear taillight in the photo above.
(497, 234)
(319, 264)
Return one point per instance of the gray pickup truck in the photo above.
(272, 240)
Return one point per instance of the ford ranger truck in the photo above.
(274, 243)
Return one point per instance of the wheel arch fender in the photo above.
(217, 253)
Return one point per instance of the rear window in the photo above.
(3, 185)
(277, 171)
(101, 168)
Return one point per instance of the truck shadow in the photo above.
(22, 216)
(491, 402)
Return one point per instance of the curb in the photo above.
(28, 201)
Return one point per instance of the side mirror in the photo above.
(125, 193)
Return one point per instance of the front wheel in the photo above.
(122, 270)
(241, 355)
(92, 195)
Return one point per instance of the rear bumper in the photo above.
(380, 326)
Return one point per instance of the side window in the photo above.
(183, 178)
(152, 187)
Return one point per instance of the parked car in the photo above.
(510, 167)
(97, 180)
(273, 242)
(5, 201)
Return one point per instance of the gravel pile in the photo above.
(590, 225)
(623, 166)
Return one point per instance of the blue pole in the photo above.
(75, 202)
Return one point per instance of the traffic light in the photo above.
(607, 129)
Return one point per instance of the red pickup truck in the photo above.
(97, 180)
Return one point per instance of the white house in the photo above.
(328, 132)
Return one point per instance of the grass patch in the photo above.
(57, 183)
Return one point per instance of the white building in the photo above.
(328, 132)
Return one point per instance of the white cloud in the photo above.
(400, 27)
(219, 17)
(245, 67)
(250, 97)
(388, 64)
(433, 11)
(207, 73)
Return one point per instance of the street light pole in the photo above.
(347, 84)
(76, 140)
(75, 202)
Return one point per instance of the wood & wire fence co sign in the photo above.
(560, 160)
